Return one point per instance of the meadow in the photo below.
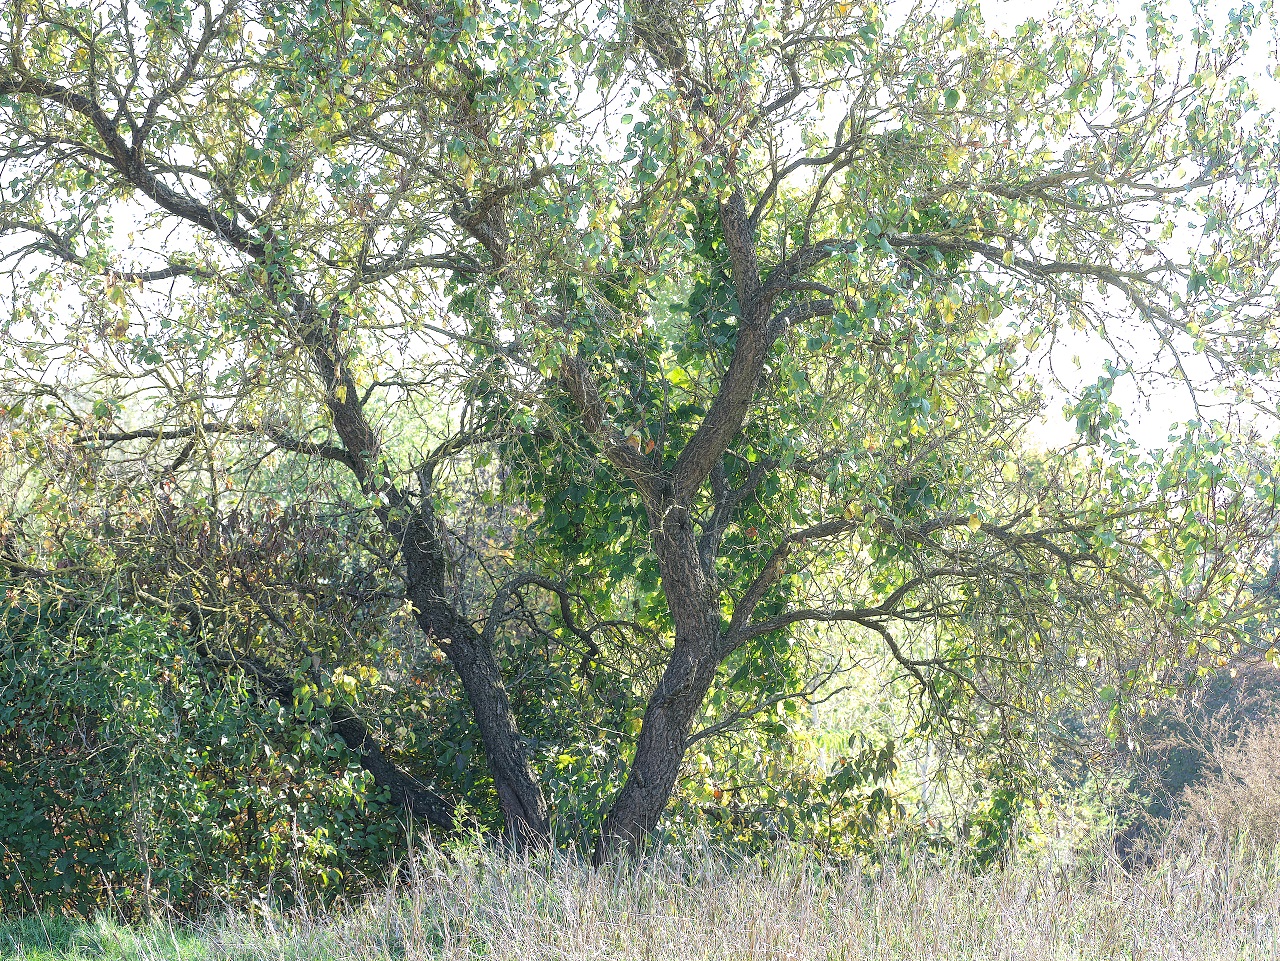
(693, 904)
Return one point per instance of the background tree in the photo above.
(629, 420)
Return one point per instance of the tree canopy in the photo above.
(603, 371)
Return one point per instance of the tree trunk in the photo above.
(524, 808)
(660, 751)
(692, 597)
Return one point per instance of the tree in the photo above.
(706, 299)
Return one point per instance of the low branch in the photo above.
(404, 788)
(798, 313)
(737, 717)
(309, 448)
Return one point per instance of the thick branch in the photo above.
(638, 468)
(128, 161)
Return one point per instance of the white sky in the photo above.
(1151, 414)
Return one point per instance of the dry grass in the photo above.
(675, 907)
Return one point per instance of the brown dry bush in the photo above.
(1240, 800)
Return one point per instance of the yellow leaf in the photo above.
(340, 392)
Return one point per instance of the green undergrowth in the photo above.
(60, 939)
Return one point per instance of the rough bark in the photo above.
(688, 569)
(693, 599)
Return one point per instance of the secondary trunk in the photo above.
(524, 808)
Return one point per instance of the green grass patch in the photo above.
(62, 939)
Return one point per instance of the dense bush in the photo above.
(132, 775)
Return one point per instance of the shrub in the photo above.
(131, 776)
(1240, 800)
